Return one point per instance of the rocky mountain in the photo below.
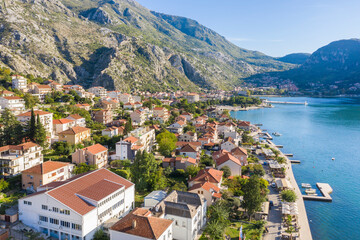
(332, 69)
(294, 58)
(120, 45)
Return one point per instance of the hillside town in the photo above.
(90, 163)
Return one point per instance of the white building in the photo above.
(98, 91)
(154, 198)
(77, 208)
(19, 82)
(14, 103)
(46, 119)
(80, 121)
(16, 158)
(187, 211)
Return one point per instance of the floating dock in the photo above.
(295, 161)
(280, 102)
(325, 190)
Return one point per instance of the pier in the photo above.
(289, 154)
(295, 161)
(325, 190)
(266, 135)
(280, 102)
(279, 146)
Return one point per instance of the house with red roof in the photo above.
(190, 150)
(179, 162)
(141, 224)
(14, 103)
(210, 191)
(44, 173)
(228, 144)
(77, 207)
(75, 135)
(79, 120)
(93, 155)
(60, 125)
(211, 175)
(16, 158)
(232, 162)
(177, 127)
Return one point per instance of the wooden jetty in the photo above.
(282, 102)
(325, 190)
(295, 161)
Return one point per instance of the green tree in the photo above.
(83, 168)
(252, 196)
(288, 196)
(11, 133)
(142, 170)
(40, 133)
(63, 148)
(3, 185)
(32, 126)
(227, 171)
(207, 160)
(192, 170)
(30, 100)
(167, 142)
(100, 235)
(128, 126)
(214, 230)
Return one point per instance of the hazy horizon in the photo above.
(276, 28)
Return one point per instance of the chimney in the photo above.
(134, 224)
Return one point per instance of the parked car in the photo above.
(273, 185)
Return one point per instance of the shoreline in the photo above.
(305, 232)
(239, 108)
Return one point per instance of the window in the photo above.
(54, 221)
(43, 219)
(63, 211)
(28, 203)
(65, 224)
(55, 209)
(76, 226)
(44, 207)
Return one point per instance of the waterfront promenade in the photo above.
(303, 222)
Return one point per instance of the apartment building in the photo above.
(102, 116)
(45, 173)
(93, 155)
(98, 91)
(46, 119)
(187, 211)
(76, 208)
(14, 103)
(19, 82)
(16, 158)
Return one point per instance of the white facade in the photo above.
(13, 103)
(98, 91)
(48, 215)
(234, 167)
(19, 82)
(46, 120)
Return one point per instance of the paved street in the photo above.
(274, 217)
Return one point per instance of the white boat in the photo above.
(333, 159)
(310, 191)
(276, 134)
(305, 185)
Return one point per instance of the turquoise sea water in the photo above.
(326, 128)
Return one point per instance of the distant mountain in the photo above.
(332, 69)
(294, 58)
(119, 44)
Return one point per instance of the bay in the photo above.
(324, 129)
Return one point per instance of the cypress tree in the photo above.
(32, 126)
(40, 133)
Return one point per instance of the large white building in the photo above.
(46, 119)
(13, 103)
(19, 82)
(187, 210)
(139, 139)
(77, 208)
(98, 91)
(16, 158)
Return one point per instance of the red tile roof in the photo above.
(100, 190)
(95, 149)
(12, 98)
(142, 226)
(46, 167)
(131, 139)
(206, 186)
(188, 148)
(75, 116)
(67, 193)
(74, 130)
(208, 174)
(227, 157)
(62, 121)
(36, 112)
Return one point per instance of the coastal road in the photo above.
(274, 217)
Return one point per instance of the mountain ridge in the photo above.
(120, 45)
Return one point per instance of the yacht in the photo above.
(305, 185)
(310, 191)
(276, 134)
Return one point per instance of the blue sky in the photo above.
(274, 27)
